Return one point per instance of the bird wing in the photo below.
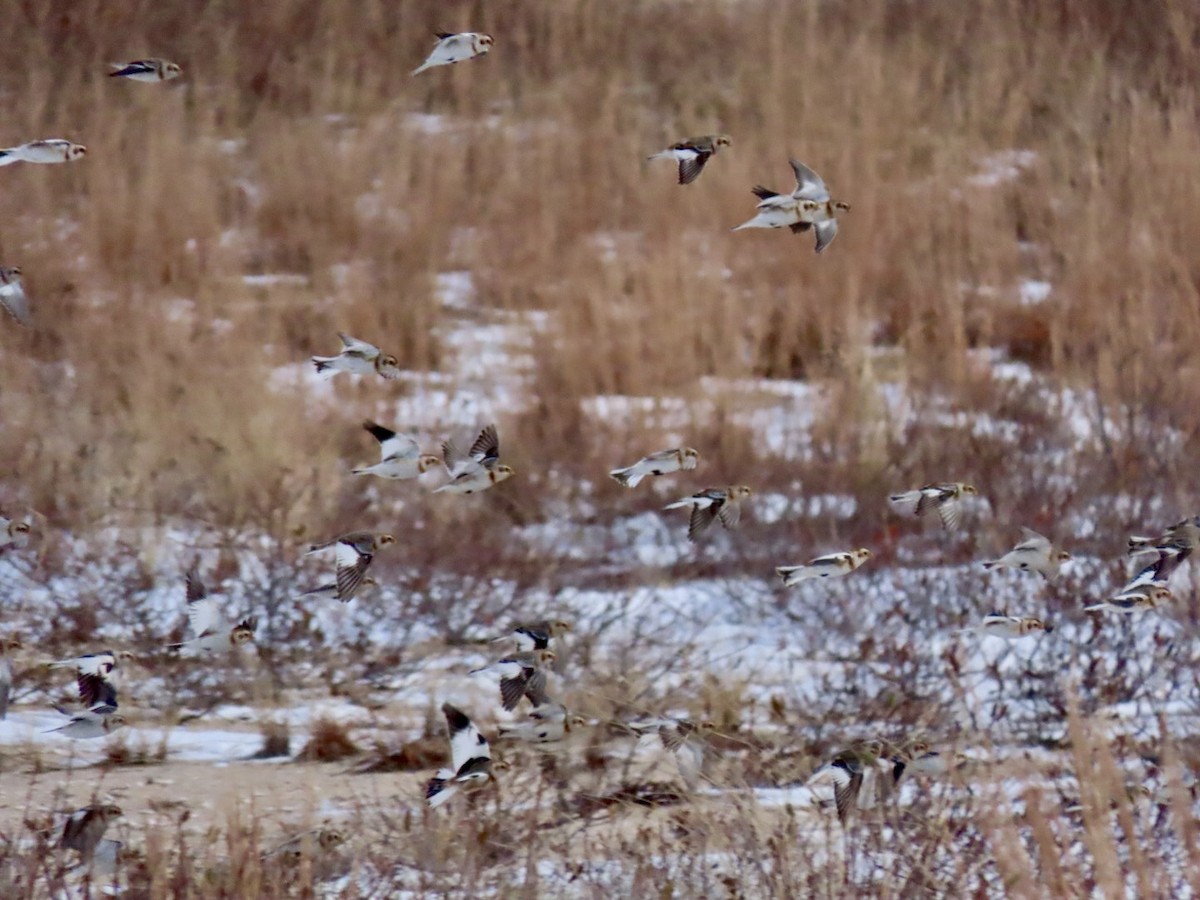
(729, 514)
(950, 512)
(825, 232)
(535, 687)
(204, 616)
(701, 518)
(392, 445)
(457, 462)
(809, 185)
(845, 794)
(763, 193)
(690, 169)
(486, 449)
(466, 742)
(351, 569)
(1031, 542)
(354, 347)
(95, 690)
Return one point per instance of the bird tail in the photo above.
(323, 365)
(626, 477)
(1093, 607)
(791, 574)
(749, 223)
(60, 664)
(679, 504)
(362, 470)
(438, 791)
(6, 157)
(663, 155)
(421, 68)
(991, 564)
(178, 646)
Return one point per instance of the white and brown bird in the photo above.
(476, 470)
(99, 694)
(211, 631)
(353, 554)
(85, 827)
(681, 459)
(712, 504)
(400, 456)
(1132, 600)
(104, 663)
(1182, 536)
(808, 206)
(456, 48)
(147, 70)
(832, 565)
(6, 672)
(862, 776)
(945, 499)
(548, 724)
(12, 295)
(470, 760)
(521, 675)
(535, 635)
(14, 534)
(358, 358)
(693, 153)
(1010, 628)
(917, 758)
(45, 152)
(1035, 553)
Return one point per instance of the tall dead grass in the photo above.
(290, 146)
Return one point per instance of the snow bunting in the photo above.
(400, 456)
(354, 552)
(98, 693)
(692, 154)
(711, 504)
(455, 48)
(1035, 553)
(1183, 536)
(85, 827)
(549, 723)
(832, 565)
(521, 675)
(102, 663)
(535, 636)
(470, 759)
(358, 358)
(808, 206)
(212, 633)
(1148, 596)
(308, 844)
(661, 463)
(1010, 628)
(917, 758)
(681, 738)
(861, 776)
(14, 534)
(12, 295)
(330, 591)
(51, 150)
(146, 70)
(478, 469)
(945, 498)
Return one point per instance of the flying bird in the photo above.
(12, 295)
(353, 553)
(1148, 596)
(1010, 628)
(693, 153)
(861, 776)
(521, 675)
(455, 48)
(400, 456)
(712, 504)
(476, 470)
(470, 760)
(661, 463)
(358, 358)
(833, 565)
(99, 694)
(549, 723)
(6, 673)
(46, 152)
(85, 827)
(1182, 536)
(946, 499)
(808, 206)
(148, 70)
(536, 635)
(211, 632)
(1035, 553)
(919, 759)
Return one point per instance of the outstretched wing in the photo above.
(702, 517)
(486, 449)
(466, 742)
(203, 615)
(809, 185)
(95, 690)
(690, 169)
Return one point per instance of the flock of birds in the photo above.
(861, 774)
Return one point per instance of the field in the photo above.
(1013, 301)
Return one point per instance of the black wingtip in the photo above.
(378, 432)
(455, 718)
(435, 787)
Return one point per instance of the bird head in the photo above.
(427, 461)
(691, 456)
(484, 43)
(1030, 625)
(76, 151)
(171, 70)
(243, 632)
(558, 626)
(967, 489)
(116, 720)
(722, 140)
(501, 473)
(546, 657)
(329, 838)
(1062, 556)
(843, 206)
(385, 539)
(108, 811)
(740, 492)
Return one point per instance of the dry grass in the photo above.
(296, 144)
